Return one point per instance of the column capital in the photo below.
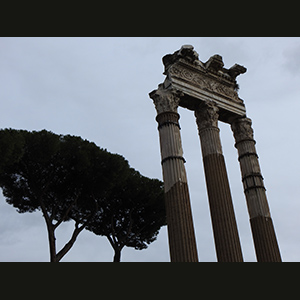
(242, 129)
(207, 115)
(165, 100)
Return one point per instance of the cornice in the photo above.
(199, 81)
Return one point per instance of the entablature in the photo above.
(199, 81)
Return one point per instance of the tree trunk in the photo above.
(117, 256)
(51, 232)
(56, 257)
(117, 248)
(52, 243)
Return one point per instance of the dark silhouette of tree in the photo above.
(11, 146)
(134, 214)
(65, 177)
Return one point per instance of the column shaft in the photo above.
(182, 242)
(264, 237)
(225, 230)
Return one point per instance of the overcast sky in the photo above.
(97, 88)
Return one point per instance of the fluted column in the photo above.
(182, 242)
(263, 232)
(225, 230)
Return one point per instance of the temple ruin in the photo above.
(211, 91)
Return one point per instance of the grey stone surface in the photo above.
(182, 241)
(211, 91)
(227, 242)
(263, 232)
(204, 81)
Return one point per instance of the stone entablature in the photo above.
(208, 81)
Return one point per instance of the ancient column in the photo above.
(182, 242)
(263, 232)
(224, 225)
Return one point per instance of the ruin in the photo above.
(210, 90)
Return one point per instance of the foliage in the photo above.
(66, 177)
(11, 146)
(134, 213)
(58, 175)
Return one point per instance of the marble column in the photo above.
(182, 242)
(263, 232)
(227, 242)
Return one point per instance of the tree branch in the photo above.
(73, 238)
(130, 223)
(129, 228)
(45, 213)
(113, 230)
(64, 216)
(66, 212)
(52, 215)
(71, 242)
(111, 241)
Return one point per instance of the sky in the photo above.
(97, 88)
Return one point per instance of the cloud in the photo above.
(98, 88)
(291, 59)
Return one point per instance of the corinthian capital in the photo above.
(242, 129)
(207, 115)
(165, 100)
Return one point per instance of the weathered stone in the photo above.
(215, 63)
(225, 230)
(165, 100)
(263, 233)
(206, 82)
(186, 52)
(182, 242)
(210, 90)
(265, 241)
(236, 70)
(180, 226)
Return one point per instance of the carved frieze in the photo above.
(202, 81)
